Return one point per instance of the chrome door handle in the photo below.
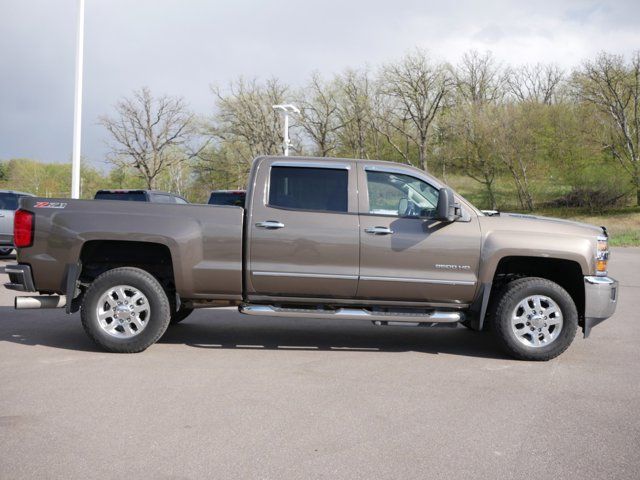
(379, 230)
(270, 224)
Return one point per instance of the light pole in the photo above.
(77, 107)
(287, 109)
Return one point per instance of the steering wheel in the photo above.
(407, 208)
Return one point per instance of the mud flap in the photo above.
(478, 308)
(73, 293)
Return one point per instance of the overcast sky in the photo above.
(181, 47)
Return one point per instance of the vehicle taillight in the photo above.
(23, 229)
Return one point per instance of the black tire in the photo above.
(512, 294)
(5, 251)
(179, 315)
(158, 304)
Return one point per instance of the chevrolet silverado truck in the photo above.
(335, 239)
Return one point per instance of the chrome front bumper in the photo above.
(600, 298)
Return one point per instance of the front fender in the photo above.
(501, 244)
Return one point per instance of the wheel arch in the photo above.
(98, 256)
(568, 273)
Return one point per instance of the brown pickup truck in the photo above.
(318, 238)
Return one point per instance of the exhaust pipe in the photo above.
(41, 301)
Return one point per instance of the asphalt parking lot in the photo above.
(229, 396)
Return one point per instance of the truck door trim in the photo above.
(304, 275)
(418, 280)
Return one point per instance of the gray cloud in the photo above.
(181, 47)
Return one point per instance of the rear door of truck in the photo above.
(303, 229)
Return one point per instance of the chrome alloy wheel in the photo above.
(536, 321)
(123, 311)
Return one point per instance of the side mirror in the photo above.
(447, 210)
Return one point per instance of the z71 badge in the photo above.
(50, 205)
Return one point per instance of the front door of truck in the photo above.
(405, 255)
(303, 230)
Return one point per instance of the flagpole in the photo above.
(77, 109)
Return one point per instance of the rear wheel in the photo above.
(125, 310)
(534, 319)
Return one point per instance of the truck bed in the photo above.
(203, 241)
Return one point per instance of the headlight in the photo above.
(602, 256)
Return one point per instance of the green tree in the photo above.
(613, 86)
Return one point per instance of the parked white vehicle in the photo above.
(9, 200)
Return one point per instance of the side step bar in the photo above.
(379, 318)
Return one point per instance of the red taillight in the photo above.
(23, 229)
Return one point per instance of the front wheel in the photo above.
(534, 319)
(125, 310)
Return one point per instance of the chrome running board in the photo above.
(378, 317)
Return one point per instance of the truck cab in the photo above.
(357, 230)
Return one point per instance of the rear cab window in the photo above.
(133, 196)
(309, 188)
(227, 198)
(9, 201)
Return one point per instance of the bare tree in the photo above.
(417, 87)
(480, 86)
(245, 114)
(319, 114)
(149, 134)
(386, 122)
(535, 83)
(354, 111)
(245, 125)
(479, 79)
(516, 144)
(613, 86)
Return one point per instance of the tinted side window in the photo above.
(303, 188)
(401, 195)
(8, 201)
